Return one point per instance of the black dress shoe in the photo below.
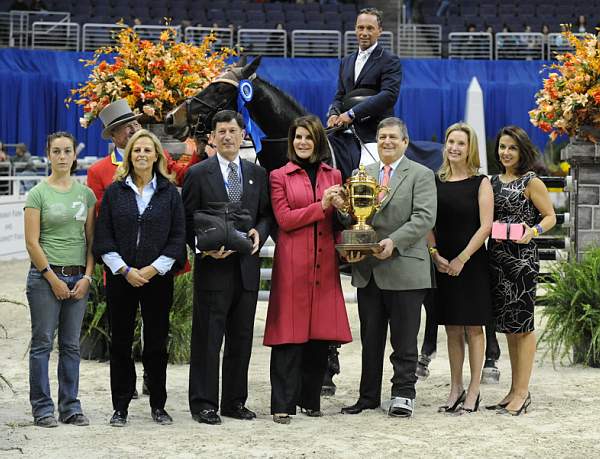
(357, 408)
(238, 412)
(160, 416)
(119, 419)
(207, 417)
(311, 413)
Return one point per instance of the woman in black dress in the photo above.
(519, 197)
(457, 247)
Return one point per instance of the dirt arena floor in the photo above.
(564, 420)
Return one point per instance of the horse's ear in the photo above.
(251, 67)
(242, 61)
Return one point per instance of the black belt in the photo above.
(68, 270)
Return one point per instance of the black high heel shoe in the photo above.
(453, 408)
(464, 410)
(521, 410)
(497, 406)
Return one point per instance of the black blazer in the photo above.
(383, 73)
(203, 184)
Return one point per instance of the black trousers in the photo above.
(429, 346)
(402, 311)
(155, 300)
(220, 314)
(297, 372)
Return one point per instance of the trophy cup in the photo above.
(362, 202)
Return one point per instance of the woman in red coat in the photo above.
(306, 306)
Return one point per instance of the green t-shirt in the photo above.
(62, 221)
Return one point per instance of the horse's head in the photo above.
(194, 116)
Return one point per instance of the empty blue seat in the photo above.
(255, 15)
(254, 7)
(330, 7)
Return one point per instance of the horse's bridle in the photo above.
(201, 128)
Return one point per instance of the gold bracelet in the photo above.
(432, 250)
(463, 257)
(536, 233)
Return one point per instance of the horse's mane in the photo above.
(284, 95)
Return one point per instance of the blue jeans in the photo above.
(47, 314)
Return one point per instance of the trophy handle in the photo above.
(380, 189)
(346, 189)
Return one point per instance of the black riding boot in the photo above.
(333, 368)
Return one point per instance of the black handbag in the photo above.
(223, 224)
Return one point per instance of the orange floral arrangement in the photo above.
(153, 77)
(570, 98)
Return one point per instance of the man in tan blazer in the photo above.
(392, 284)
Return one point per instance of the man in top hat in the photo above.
(120, 123)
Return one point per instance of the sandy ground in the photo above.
(564, 420)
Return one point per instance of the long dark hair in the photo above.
(58, 135)
(528, 153)
(313, 125)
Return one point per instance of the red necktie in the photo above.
(386, 179)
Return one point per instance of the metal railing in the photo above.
(5, 171)
(557, 44)
(470, 45)
(419, 41)
(311, 43)
(524, 46)
(55, 35)
(152, 32)
(5, 37)
(265, 42)
(224, 36)
(16, 26)
(386, 39)
(94, 36)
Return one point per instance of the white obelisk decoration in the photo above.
(475, 117)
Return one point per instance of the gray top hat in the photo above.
(115, 114)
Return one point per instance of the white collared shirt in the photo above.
(224, 165)
(361, 59)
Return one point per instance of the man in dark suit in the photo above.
(369, 70)
(225, 282)
(392, 284)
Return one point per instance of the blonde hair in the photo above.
(160, 166)
(445, 171)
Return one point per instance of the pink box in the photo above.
(516, 231)
(500, 231)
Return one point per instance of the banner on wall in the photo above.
(12, 235)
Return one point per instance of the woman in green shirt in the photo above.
(59, 225)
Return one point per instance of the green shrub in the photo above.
(572, 311)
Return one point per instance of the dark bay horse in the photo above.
(272, 109)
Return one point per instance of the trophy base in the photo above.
(363, 241)
(364, 249)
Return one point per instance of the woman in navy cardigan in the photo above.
(140, 236)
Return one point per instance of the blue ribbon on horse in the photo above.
(245, 94)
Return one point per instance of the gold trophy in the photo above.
(362, 201)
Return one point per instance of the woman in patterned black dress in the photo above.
(457, 245)
(519, 197)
